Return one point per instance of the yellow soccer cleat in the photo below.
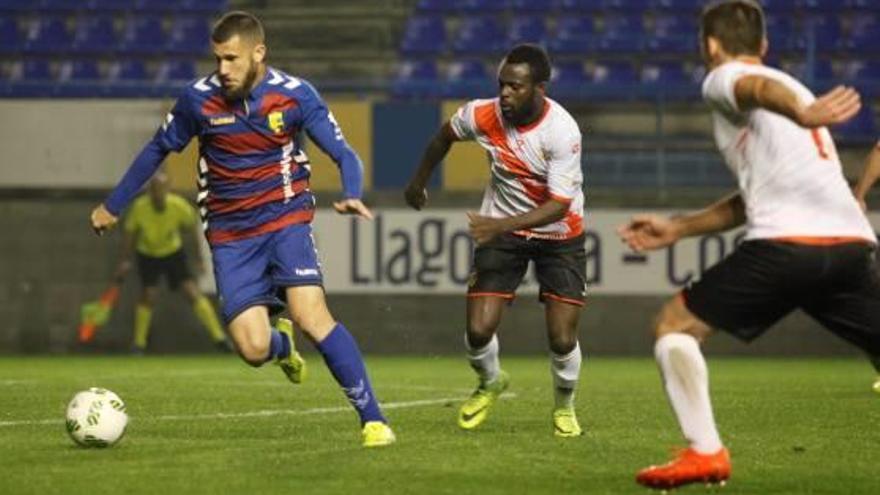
(474, 410)
(565, 423)
(294, 366)
(877, 385)
(377, 434)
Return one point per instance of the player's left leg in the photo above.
(565, 363)
(340, 351)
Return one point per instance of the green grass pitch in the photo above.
(214, 425)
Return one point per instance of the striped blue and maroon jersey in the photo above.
(253, 172)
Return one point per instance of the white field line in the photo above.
(261, 414)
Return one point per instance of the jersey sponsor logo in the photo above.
(305, 272)
(222, 120)
(276, 122)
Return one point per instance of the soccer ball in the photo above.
(96, 418)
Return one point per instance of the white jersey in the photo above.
(529, 165)
(790, 177)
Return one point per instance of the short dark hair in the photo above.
(535, 56)
(239, 23)
(737, 24)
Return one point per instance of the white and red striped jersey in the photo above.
(529, 165)
(790, 177)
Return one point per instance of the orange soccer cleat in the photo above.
(689, 467)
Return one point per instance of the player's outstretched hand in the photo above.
(834, 107)
(352, 206)
(648, 232)
(102, 220)
(416, 196)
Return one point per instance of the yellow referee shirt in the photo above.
(158, 232)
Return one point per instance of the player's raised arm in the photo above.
(650, 232)
(415, 193)
(175, 133)
(837, 106)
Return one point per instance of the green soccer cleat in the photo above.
(377, 434)
(294, 366)
(565, 423)
(474, 410)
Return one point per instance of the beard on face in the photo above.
(242, 91)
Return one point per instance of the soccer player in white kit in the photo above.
(532, 211)
(808, 244)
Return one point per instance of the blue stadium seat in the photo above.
(109, 5)
(568, 79)
(481, 6)
(780, 31)
(861, 129)
(176, 71)
(818, 6)
(621, 34)
(538, 6)
(779, 6)
(204, 6)
(614, 73)
(188, 36)
(526, 29)
(416, 79)
(672, 34)
(143, 35)
(577, 6)
(424, 34)
(128, 70)
(683, 6)
(10, 37)
(665, 73)
(629, 6)
(437, 6)
(33, 70)
(574, 35)
(862, 72)
(16, 5)
(48, 35)
(94, 34)
(825, 32)
(159, 6)
(468, 79)
(79, 70)
(58, 6)
(864, 5)
(864, 36)
(479, 35)
(817, 77)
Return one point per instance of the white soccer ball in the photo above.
(96, 418)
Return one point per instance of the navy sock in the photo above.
(344, 360)
(279, 346)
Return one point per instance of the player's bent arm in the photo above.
(140, 171)
(724, 214)
(870, 174)
(837, 106)
(549, 212)
(434, 152)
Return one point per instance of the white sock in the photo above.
(687, 386)
(484, 360)
(566, 369)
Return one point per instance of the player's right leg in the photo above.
(143, 316)
(678, 335)
(484, 315)
(248, 294)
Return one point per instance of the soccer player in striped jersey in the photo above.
(257, 207)
(532, 211)
(808, 245)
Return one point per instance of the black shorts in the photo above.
(173, 267)
(762, 281)
(560, 266)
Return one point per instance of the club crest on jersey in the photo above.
(276, 122)
(222, 120)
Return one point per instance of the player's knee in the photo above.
(562, 343)
(254, 355)
(479, 332)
